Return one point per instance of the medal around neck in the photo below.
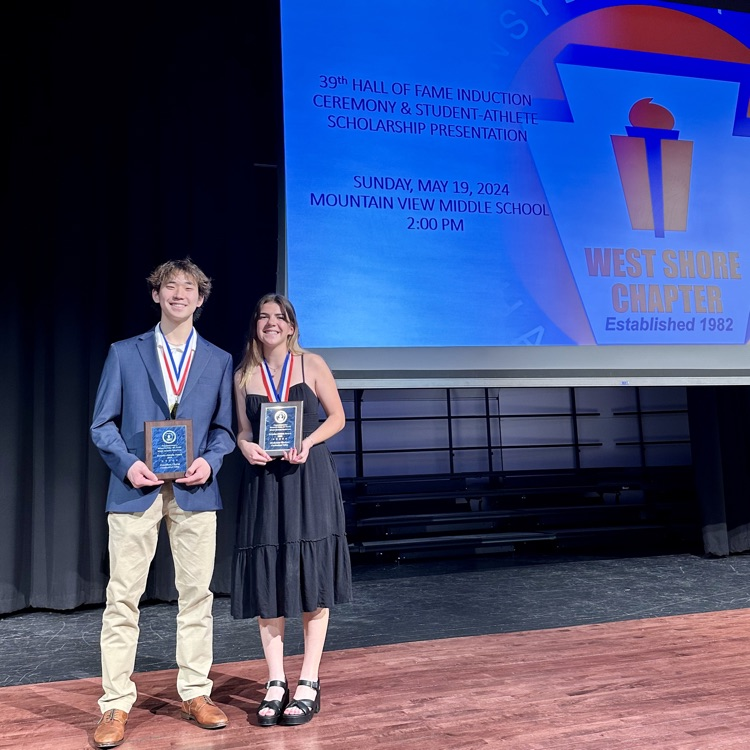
(280, 427)
(280, 418)
(169, 447)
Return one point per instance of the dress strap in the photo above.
(302, 362)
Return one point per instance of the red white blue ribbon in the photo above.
(177, 373)
(285, 379)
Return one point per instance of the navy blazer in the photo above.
(131, 391)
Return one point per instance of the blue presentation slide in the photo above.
(531, 172)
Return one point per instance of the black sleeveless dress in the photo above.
(291, 554)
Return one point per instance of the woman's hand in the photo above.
(295, 456)
(255, 454)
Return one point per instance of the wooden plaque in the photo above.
(169, 447)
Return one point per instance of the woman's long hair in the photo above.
(253, 354)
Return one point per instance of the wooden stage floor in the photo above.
(664, 683)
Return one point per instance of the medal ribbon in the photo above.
(282, 394)
(177, 376)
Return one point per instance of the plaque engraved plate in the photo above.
(169, 447)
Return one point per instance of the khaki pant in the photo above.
(132, 544)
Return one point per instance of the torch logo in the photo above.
(654, 168)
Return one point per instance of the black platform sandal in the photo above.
(270, 720)
(305, 705)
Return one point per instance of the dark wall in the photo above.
(135, 131)
(133, 134)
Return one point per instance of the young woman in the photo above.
(291, 556)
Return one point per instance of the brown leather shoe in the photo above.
(204, 712)
(110, 731)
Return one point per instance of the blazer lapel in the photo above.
(201, 358)
(147, 349)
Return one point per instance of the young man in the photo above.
(169, 372)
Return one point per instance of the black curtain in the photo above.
(719, 418)
(134, 133)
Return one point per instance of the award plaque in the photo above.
(169, 447)
(280, 426)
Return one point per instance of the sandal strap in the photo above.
(276, 683)
(305, 705)
(275, 705)
(315, 685)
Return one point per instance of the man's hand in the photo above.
(139, 475)
(198, 473)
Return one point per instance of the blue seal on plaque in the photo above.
(169, 447)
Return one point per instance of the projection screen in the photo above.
(524, 192)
